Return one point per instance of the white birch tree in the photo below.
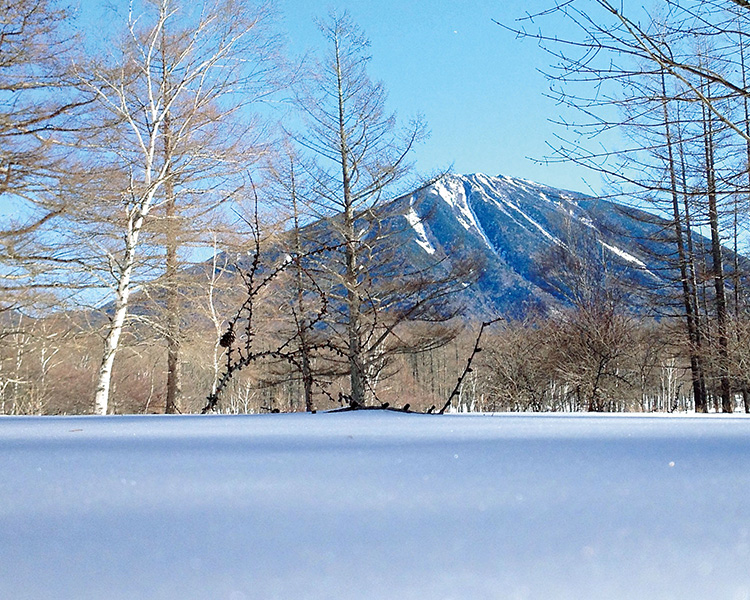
(168, 100)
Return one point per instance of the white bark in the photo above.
(136, 219)
(115, 97)
(112, 339)
(164, 86)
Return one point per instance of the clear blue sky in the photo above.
(479, 88)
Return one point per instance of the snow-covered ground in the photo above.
(375, 506)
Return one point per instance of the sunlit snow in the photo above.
(628, 257)
(413, 218)
(451, 190)
(623, 254)
(373, 506)
(508, 203)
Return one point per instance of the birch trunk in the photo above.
(122, 298)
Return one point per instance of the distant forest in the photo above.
(174, 244)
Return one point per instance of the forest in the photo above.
(174, 245)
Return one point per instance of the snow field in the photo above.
(375, 505)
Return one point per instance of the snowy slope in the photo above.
(373, 506)
(488, 206)
(510, 225)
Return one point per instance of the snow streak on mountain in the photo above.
(515, 229)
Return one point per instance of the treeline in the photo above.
(130, 152)
(573, 363)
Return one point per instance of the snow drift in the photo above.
(375, 506)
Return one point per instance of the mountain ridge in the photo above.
(518, 233)
(512, 225)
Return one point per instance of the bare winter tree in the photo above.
(167, 124)
(674, 81)
(358, 155)
(36, 104)
(244, 53)
(288, 193)
(591, 338)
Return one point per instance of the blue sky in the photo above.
(479, 88)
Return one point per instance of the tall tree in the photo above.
(683, 60)
(288, 192)
(170, 102)
(685, 265)
(360, 155)
(36, 104)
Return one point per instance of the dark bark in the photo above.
(302, 324)
(356, 372)
(174, 367)
(717, 266)
(701, 397)
(696, 371)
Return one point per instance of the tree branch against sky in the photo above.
(359, 161)
(36, 103)
(685, 61)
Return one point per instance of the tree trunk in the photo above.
(746, 106)
(356, 372)
(302, 325)
(112, 340)
(693, 335)
(174, 366)
(701, 400)
(174, 363)
(718, 268)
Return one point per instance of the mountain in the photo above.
(514, 228)
(523, 238)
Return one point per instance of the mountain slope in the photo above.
(523, 237)
(514, 228)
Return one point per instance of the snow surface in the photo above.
(375, 506)
(413, 218)
(452, 191)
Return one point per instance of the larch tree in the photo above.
(36, 107)
(288, 192)
(359, 154)
(674, 83)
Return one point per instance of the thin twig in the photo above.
(467, 369)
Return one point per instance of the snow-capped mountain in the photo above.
(524, 239)
(513, 226)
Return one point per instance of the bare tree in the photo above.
(167, 101)
(36, 107)
(360, 155)
(288, 192)
(674, 82)
(593, 335)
